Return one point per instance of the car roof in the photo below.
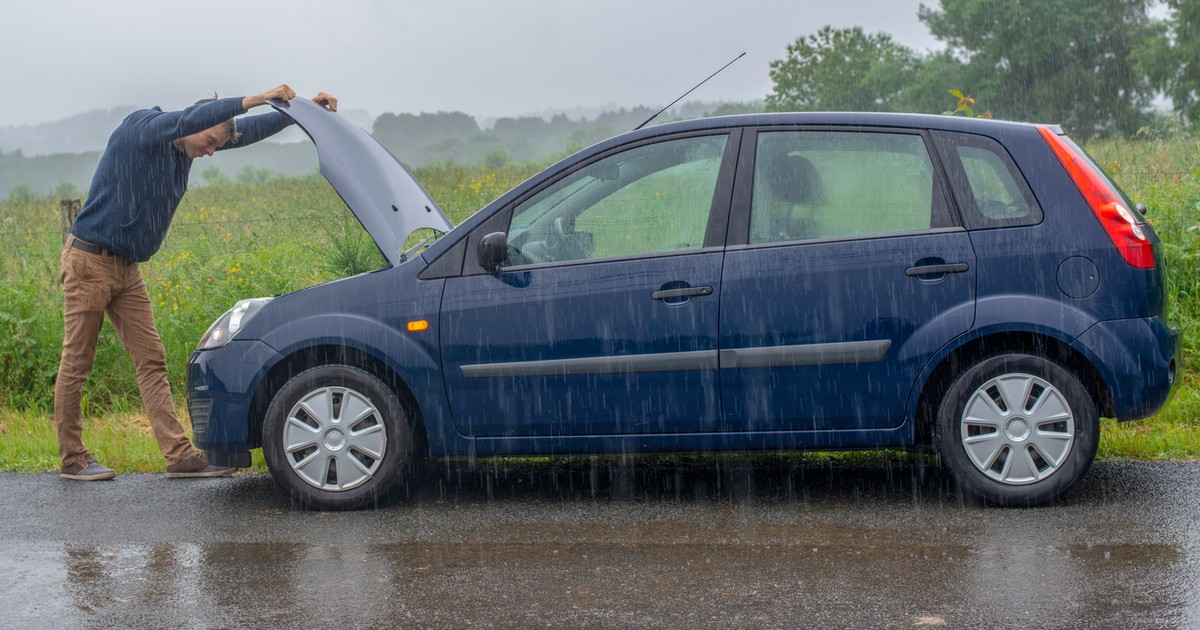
(863, 119)
(883, 120)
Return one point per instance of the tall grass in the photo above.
(226, 243)
(1163, 174)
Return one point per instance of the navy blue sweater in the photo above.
(142, 175)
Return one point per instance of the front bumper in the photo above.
(220, 389)
(1139, 360)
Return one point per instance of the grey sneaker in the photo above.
(195, 465)
(86, 468)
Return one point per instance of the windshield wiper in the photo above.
(422, 244)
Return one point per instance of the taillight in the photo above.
(1119, 222)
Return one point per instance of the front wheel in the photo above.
(336, 437)
(1017, 429)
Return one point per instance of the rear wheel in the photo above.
(1017, 429)
(336, 437)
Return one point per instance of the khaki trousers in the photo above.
(95, 284)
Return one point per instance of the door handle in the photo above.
(666, 294)
(928, 270)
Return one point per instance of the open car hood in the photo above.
(379, 190)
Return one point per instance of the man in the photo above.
(138, 184)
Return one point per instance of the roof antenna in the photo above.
(688, 92)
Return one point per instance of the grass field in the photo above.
(244, 240)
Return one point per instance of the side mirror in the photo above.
(493, 250)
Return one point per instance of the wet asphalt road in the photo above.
(601, 543)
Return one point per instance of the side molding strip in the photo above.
(666, 362)
(806, 354)
(781, 356)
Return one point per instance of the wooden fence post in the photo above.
(68, 209)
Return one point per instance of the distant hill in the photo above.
(55, 158)
(89, 131)
(80, 133)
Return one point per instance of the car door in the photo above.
(850, 270)
(603, 319)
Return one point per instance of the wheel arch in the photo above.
(974, 350)
(333, 354)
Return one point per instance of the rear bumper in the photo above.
(1139, 360)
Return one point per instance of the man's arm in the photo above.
(254, 128)
(282, 92)
(191, 120)
(159, 126)
(251, 129)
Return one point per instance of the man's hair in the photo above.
(230, 125)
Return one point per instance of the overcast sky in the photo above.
(483, 57)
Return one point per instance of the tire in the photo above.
(1017, 429)
(335, 437)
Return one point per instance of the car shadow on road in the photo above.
(887, 478)
(727, 478)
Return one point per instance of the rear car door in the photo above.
(846, 271)
(604, 319)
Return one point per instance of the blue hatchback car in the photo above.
(772, 282)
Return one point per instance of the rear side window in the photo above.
(990, 190)
(842, 184)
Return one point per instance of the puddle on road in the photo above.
(997, 577)
(608, 545)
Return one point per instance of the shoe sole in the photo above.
(100, 477)
(200, 475)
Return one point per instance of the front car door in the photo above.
(846, 271)
(603, 321)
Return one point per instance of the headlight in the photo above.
(227, 326)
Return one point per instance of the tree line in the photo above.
(1098, 67)
(1095, 66)
(431, 138)
(415, 139)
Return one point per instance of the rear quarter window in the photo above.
(989, 189)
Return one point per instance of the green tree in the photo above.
(842, 69)
(729, 109)
(22, 193)
(496, 159)
(1064, 61)
(213, 176)
(251, 174)
(65, 189)
(1172, 58)
(925, 90)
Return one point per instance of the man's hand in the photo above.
(282, 92)
(326, 100)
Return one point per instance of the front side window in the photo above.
(841, 184)
(654, 198)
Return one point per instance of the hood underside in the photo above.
(379, 190)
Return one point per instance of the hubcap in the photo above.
(335, 439)
(1017, 429)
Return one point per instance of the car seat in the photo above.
(794, 189)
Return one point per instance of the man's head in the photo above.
(208, 141)
(204, 143)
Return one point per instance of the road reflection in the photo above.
(607, 544)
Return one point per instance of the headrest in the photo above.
(794, 179)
